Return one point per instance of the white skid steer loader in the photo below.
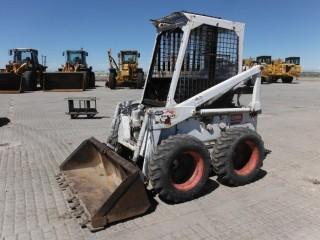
(185, 124)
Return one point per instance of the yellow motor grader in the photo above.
(127, 71)
(74, 75)
(23, 73)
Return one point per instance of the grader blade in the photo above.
(101, 187)
(64, 82)
(10, 83)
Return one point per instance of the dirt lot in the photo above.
(283, 204)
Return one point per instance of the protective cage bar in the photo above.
(167, 53)
(211, 57)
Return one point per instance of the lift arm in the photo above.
(217, 91)
(112, 62)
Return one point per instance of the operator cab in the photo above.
(129, 57)
(264, 60)
(76, 57)
(24, 55)
(293, 60)
(186, 62)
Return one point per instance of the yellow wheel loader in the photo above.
(23, 73)
(127, 71)
(75, 75)
(286, 70)
(273, 70)
(185, 125)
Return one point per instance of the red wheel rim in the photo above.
(251, 162)
(196, 176)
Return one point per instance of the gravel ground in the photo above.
(283, 204)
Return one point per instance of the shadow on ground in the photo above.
(4, 121)
(262, 173)
(89, 118)
(209, 187)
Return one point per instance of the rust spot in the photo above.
(167, 120)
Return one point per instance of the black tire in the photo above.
(90, 115)
(29, 81)
(269, 80)
(140, 80)
(243, 145)
(92, 80)
(41, 82)
(287, 80)
(251, 82)
(73, 116)
(86, 78)
(274, 79)
(112, 80)
(179, 168)
(113, 137)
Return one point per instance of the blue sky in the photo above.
(277, 28)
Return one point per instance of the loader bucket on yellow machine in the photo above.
(64, 82)
(10, 83)
(100, 186)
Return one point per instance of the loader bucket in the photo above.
(64, 82)
(101, 187)
(10, 83)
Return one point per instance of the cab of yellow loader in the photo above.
(264, 60)
(128, 62)
(21, 56)
(293, 60)
(129, 57)
(74, 57)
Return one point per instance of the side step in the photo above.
(100, 186)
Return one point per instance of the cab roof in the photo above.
(76, 51)
(25, 49)
(179, 19)
(130, 51)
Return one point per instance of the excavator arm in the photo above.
(112, 62)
